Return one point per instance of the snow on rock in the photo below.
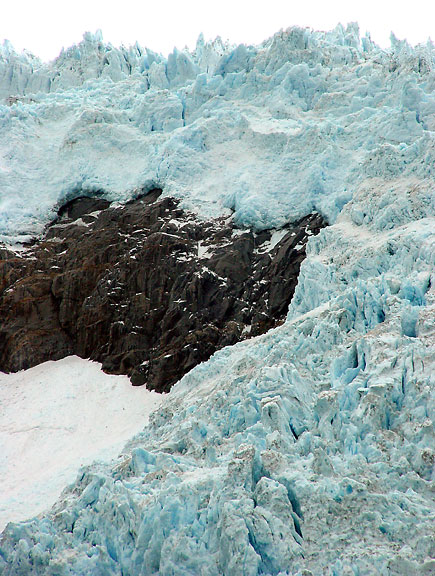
(55, 418)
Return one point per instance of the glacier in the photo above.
(269, 133)
(305, 451)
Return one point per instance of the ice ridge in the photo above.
(269, 133)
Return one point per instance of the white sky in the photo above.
(44, 26)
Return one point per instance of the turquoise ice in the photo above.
(306, 451)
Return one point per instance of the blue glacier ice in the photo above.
(308, 450)
(269, 132)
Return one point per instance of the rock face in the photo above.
(145, 288)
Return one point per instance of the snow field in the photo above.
(58, 417)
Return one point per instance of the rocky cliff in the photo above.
(146, 288)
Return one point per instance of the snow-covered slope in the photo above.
(55, 418)
(308, 450)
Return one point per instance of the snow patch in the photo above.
(55, 418)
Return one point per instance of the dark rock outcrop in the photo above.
(145, 288)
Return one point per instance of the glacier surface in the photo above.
(270, 133)
(305, 451)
